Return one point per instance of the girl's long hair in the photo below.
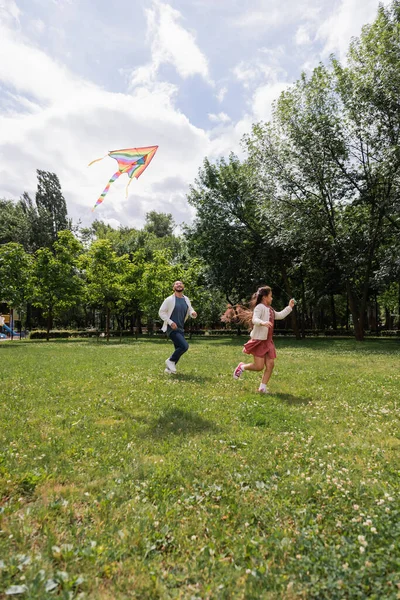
(243, 314)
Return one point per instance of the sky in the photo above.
(79, 78)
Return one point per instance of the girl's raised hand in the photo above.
(292, 303)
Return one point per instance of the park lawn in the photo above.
(118, 481)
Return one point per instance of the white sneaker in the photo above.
(167, 371)
(170, 365)
(263, 390)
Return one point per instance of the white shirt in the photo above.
(261, 314)
(167, 308)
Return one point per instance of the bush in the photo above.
(41, 334)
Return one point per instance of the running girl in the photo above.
(261, 344)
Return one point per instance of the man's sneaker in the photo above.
(167, 371)
(238, 371)
(170, 365)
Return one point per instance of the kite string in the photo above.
(97, 160)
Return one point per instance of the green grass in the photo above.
(117, 481)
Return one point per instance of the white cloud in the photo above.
(112, 222)
(267, 15)
(302, 37)
(219, 118)
(172, 43)
(38, 26)
(71, 121)
(263, 100)
(265, 67)
(9, 12)
(344, 23)
(221, 94)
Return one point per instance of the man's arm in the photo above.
(163, 312)
(192, 312)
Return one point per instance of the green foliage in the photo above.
(329, 166)
(56, 281)
(15, 275)
(14, 224)
(226, 232)
(47, 215)
(160, 224)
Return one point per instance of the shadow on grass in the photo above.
(131, 416)
(193, 378)
(176, 421)
(292, 400)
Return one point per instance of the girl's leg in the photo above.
(269, 367)
(257, 365)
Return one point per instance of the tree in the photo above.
(14, 225)
(15, 276)
(161, 224)
(47, 215)
(57, 284)
(229, 235)
(331, 157)
(107, 278)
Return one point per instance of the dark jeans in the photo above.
(181, 345)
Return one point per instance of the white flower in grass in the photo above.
(367, 523)
(362, 540)
(362, 549)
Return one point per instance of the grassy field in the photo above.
(118, 481)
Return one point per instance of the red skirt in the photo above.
(260, 348)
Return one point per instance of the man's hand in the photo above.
(174, 325)
(194, 314)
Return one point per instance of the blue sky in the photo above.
(81, 77)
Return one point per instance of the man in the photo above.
(174, 311)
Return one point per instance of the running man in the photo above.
(174, 311)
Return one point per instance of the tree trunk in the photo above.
(138, 323)
(108, 324)
(333, 313)
(398, 311)
(49, 319)
(357, 314)
(294, 311)
(28, 316)
(303, 307)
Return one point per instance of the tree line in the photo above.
(312, 210)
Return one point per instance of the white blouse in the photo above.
(261, 315)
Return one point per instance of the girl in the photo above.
(261, 345)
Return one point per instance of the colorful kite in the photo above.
(132, 161)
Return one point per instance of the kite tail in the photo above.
(105, 191)
(97, 160)
(127, 185)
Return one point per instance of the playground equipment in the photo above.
(10, 331)
(7, 326)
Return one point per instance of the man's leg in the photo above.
(181, 345)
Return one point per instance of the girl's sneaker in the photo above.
(238, 371)
(263, 390)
